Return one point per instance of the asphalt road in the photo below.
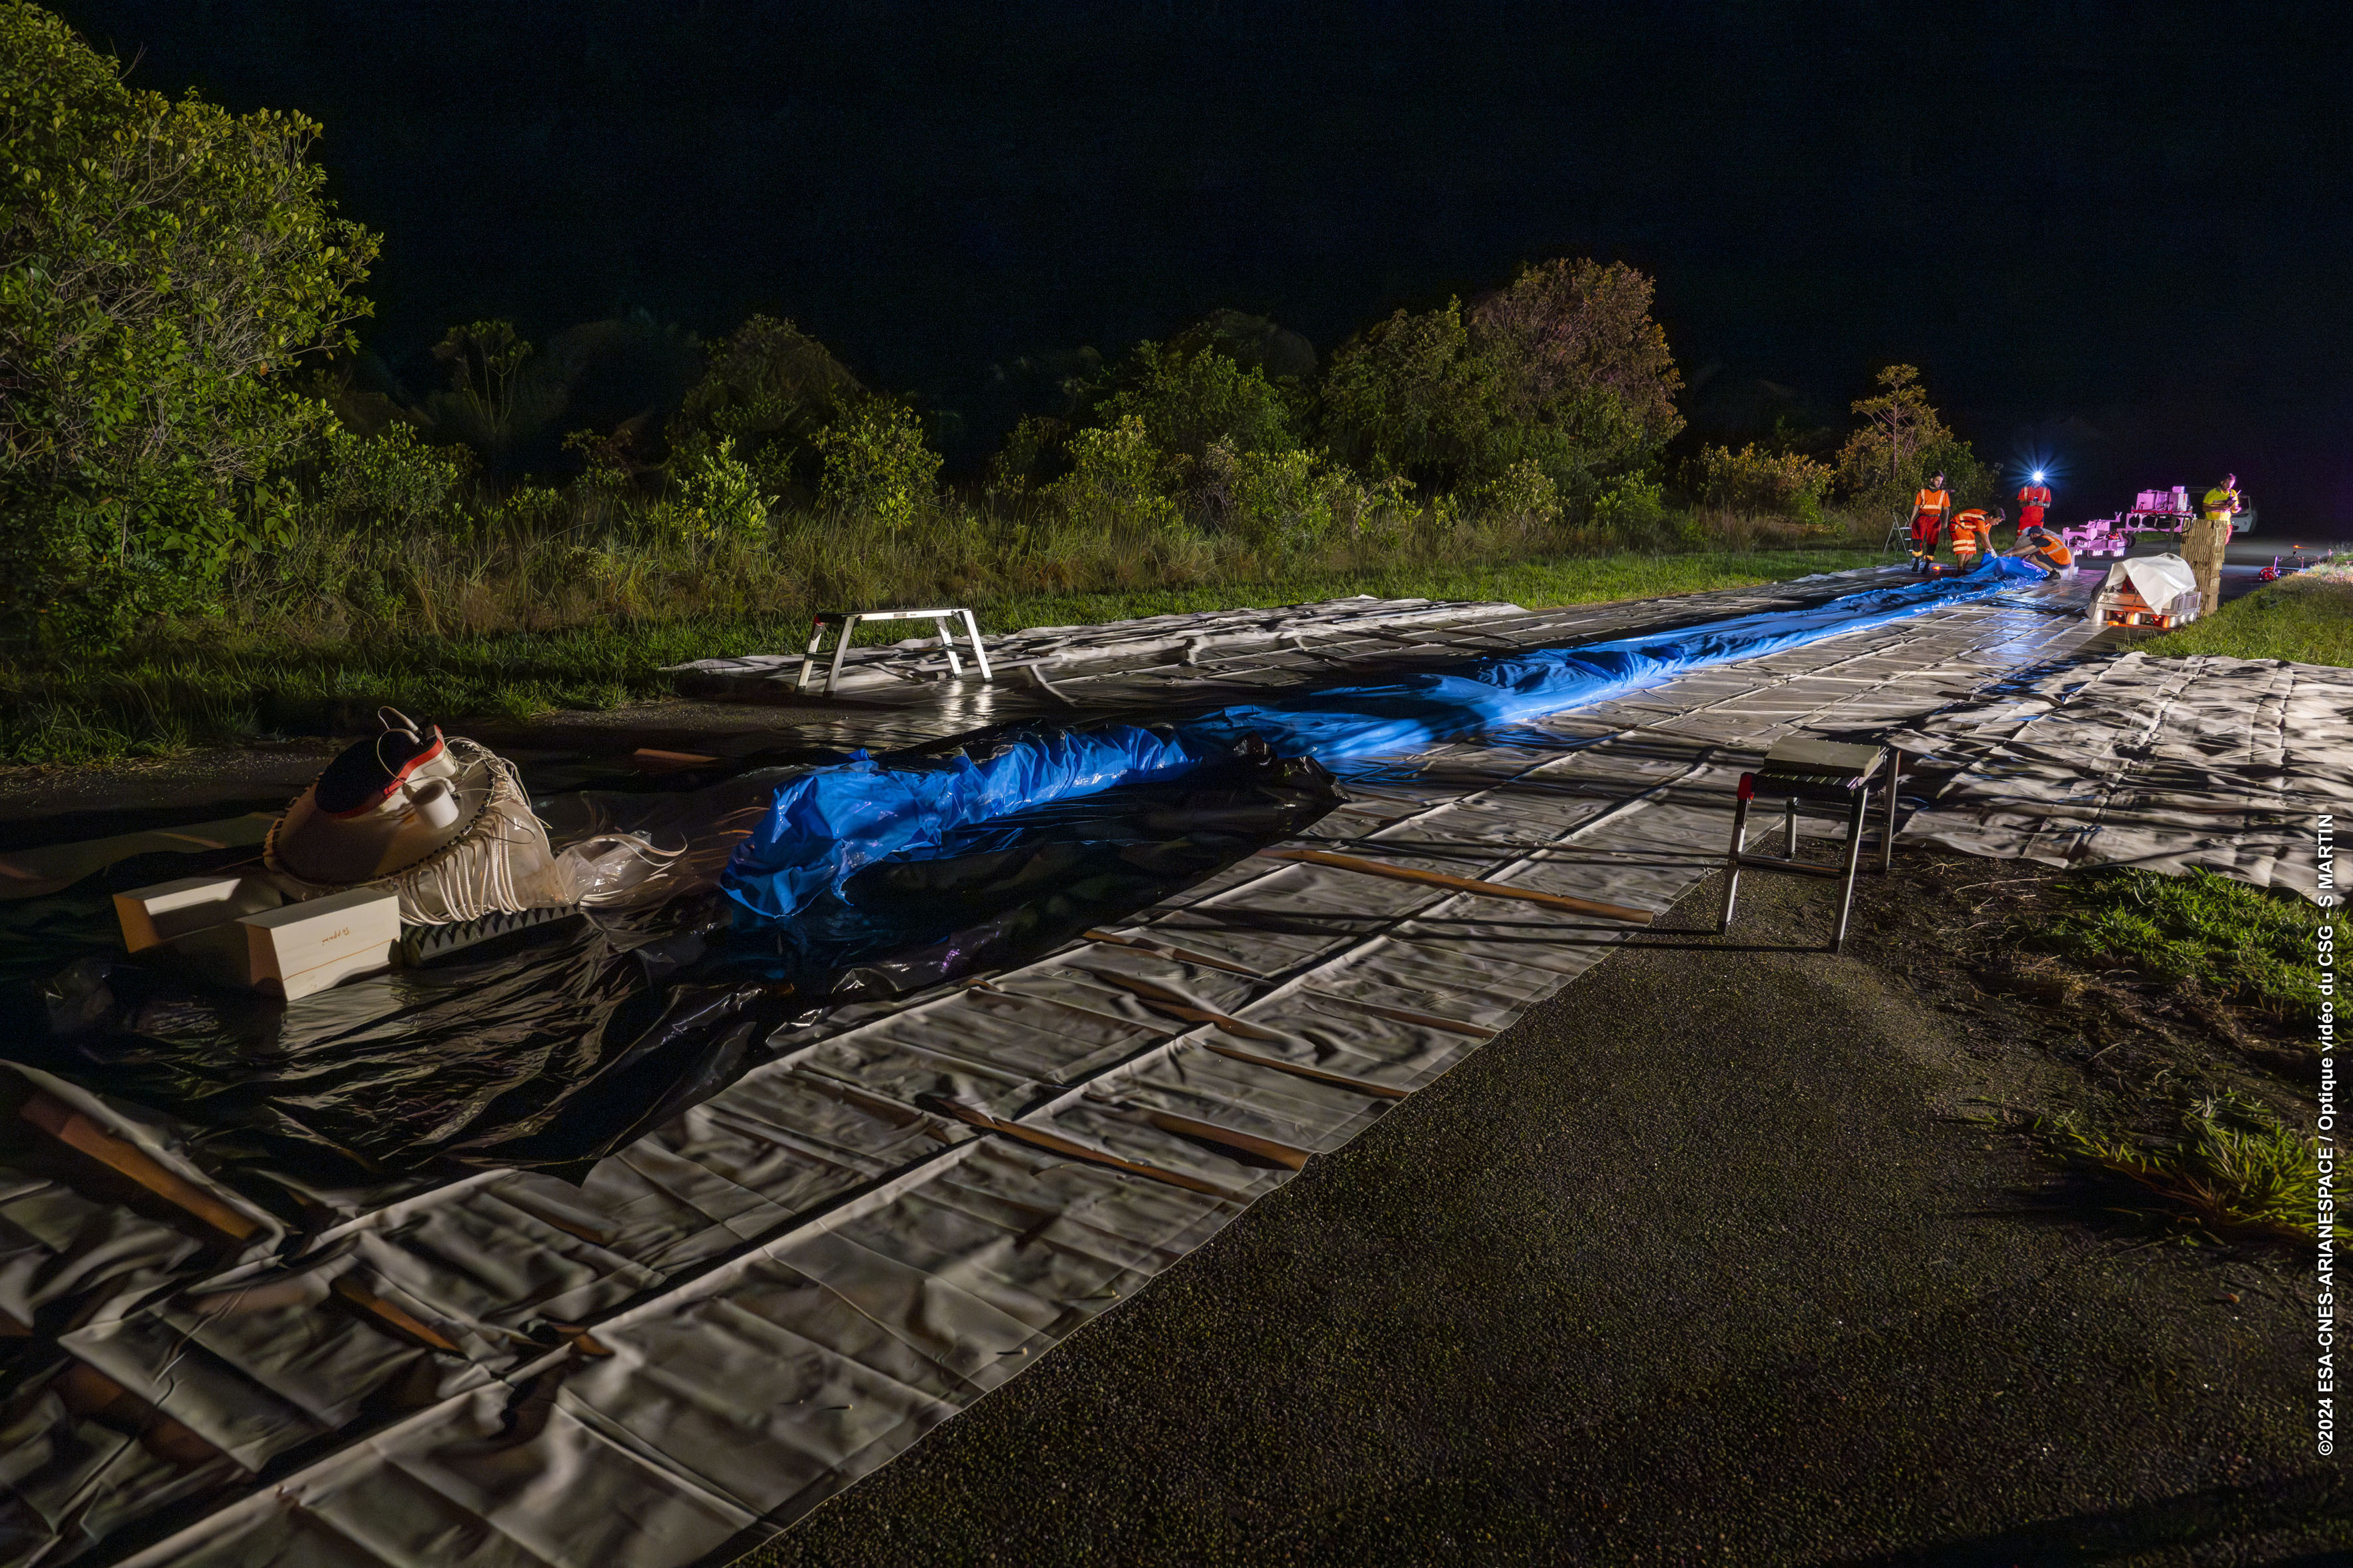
(1701, 1262)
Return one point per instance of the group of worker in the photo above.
(1971, 531)
(2203, 543)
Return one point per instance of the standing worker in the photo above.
(1930, 508)
(1973, 531)
(2033, 500)
(2205, 539)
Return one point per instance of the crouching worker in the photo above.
(2038, 546)
(1973, 534)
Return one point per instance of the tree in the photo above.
(163, 266)
(1188, 400)
(1901, 443)
(1575, 341)
(769, 388)
(1410, 396)
(1564, 369)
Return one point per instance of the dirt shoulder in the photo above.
(1713, 1258)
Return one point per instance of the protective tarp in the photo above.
(823, 827)
(2159, 580)
(2125, 760)
(793, 1280)
(557, 1048)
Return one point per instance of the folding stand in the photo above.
(1797, 771)
(846, 622)
(1822, 773)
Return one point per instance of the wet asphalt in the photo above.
(1703, 1261)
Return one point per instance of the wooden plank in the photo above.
(1461, 884)
(973, 1116)
(351, 1292)
(1161, 950)
(78, 1132)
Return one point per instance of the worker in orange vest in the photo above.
(2041, 547)
(1930, 508)
(2033, 500)
(1973, 531)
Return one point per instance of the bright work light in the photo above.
(2038, 476)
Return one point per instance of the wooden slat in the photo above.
(973, 1116)
(350, 1290)
(1161, 950)
(1463, 884)
(77, 1131)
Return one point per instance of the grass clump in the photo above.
(2240, 943)
(2231, 1172)
(2305, 619)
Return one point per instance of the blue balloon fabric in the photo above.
(826, 825)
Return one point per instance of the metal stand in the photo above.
(846, 623)
(1791, 789)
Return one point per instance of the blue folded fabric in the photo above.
(826, 825)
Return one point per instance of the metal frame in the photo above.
(1787, 863)
(846, 621)
(1738, 857)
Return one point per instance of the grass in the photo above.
(2232, 1172)
(2307, 619)
(2240, 943)
(517, 628)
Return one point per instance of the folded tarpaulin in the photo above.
(825, 826)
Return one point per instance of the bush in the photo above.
(1189, 401)
(771, 388)
(1756, 482)
(720, 498)
(387, 479)
(1632, 514)
(1523, 494)
(164, 268)
(1115, 478)
(877, 465)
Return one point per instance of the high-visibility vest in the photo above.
(2221, 503)
(1972, 531)
(2046, 542)
(1938, 502)
(2035, 495)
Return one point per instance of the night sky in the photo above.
(2117, 233)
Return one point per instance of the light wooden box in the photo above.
(292, 948)
(153, 916)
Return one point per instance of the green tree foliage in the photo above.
(877, 465)
(1410, 396)
(1575, 348)
(1757, 482)
(1115, 478)
(163, 266)
(1901, 444)
(1564, 369)
(1190, 398)
(769, 388)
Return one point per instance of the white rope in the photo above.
(500, 864)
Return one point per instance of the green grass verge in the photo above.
(184, 689)
(2240, 942)
(2307, 620)
(2232, 1172)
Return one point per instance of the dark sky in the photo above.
(2118, 229)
